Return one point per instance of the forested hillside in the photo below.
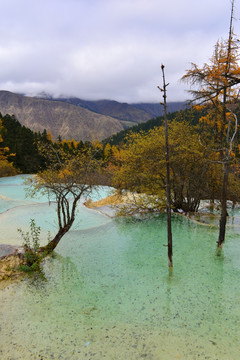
(191, 115)
(20, 144)
(21, 148)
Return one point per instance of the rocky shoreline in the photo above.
(9, 263)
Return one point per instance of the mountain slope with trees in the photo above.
(191, 115)
(21, 146)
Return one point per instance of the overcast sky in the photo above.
(107, 49)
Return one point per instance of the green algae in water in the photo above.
(108, 293)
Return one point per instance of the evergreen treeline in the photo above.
(22, 145)
(20, 150)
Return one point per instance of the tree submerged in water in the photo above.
(66, 180)
(167, 165)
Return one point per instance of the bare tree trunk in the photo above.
(168, 189)
(223, 219)
(47, 249)
(63, 229)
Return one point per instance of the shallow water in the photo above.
(108, 293)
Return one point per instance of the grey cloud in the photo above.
(104, 48)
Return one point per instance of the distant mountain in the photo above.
(60, 118)
(76, 118)
(157, 110)
(128, 114)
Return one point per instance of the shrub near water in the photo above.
(31, 244)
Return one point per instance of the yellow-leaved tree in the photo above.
(216, 85)
(141, 168)
(67, 179)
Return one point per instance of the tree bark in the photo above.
(168, 189)
(54, 242)
(65, 221)
(223, 219)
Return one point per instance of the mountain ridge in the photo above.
(59, 118)
(148, 110)
(74, 118)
